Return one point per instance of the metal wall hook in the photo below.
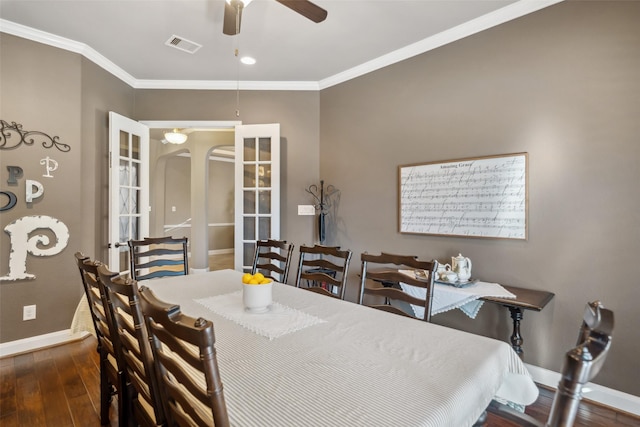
(323, 204)
(321, 195)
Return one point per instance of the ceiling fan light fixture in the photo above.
(175, 137)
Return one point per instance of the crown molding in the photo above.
(500, 16)
(226, 85)
(68, 45)
(492, 19)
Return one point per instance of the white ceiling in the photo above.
(127, 37)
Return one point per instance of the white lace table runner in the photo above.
(278, 321)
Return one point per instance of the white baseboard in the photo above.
(594, 392)
(40, 341)
(220, 251)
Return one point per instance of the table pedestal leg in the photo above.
(516, 338)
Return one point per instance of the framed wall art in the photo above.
(472, 197)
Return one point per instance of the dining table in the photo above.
(313, 360)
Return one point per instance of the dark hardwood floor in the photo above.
(59, 387)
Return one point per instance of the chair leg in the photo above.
(125, 417)
(106, 390)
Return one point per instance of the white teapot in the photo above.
(462, 266)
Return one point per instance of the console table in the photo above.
(526, 299)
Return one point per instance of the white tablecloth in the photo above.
(359, 367)
(82, 321)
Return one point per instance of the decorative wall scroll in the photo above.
(474, 197)
(12, 136)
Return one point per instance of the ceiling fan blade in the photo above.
(306, 9)
(229, 25)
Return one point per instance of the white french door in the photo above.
(257, 189)
(128, 187)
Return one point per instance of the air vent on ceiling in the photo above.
(183, 44)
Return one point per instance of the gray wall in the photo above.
(176, 190)
(562, 84)
(221, 204)
(101, 92)
(58, 93)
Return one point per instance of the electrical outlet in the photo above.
(28, 312)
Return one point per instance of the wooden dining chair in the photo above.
(324, 270)
(581, 364)
(154, 257)
(112, 376)
(386, 272)
(273, 259)
(124, 306)
(185, 359)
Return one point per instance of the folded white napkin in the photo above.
(279, 320)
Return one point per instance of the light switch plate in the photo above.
(306, 210)
(28, 312)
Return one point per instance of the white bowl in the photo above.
(257, 298)
(450, 277)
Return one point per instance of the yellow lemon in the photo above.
(246, 277)
(258, 276)
(265, 281)
(254, 281)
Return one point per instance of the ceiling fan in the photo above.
(233, 12)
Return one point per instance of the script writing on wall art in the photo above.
(476, 197)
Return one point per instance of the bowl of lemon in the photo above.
(256, 292)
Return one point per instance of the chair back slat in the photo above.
(99, 307)
(324, 269)
(158, 274)
(273, 259)
(112, 364)
(186, 363)
(123, 299)
(154, 257)
(381, 279)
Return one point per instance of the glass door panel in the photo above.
(128, 187)
(257, 189)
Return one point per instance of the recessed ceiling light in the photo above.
(247, 60)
